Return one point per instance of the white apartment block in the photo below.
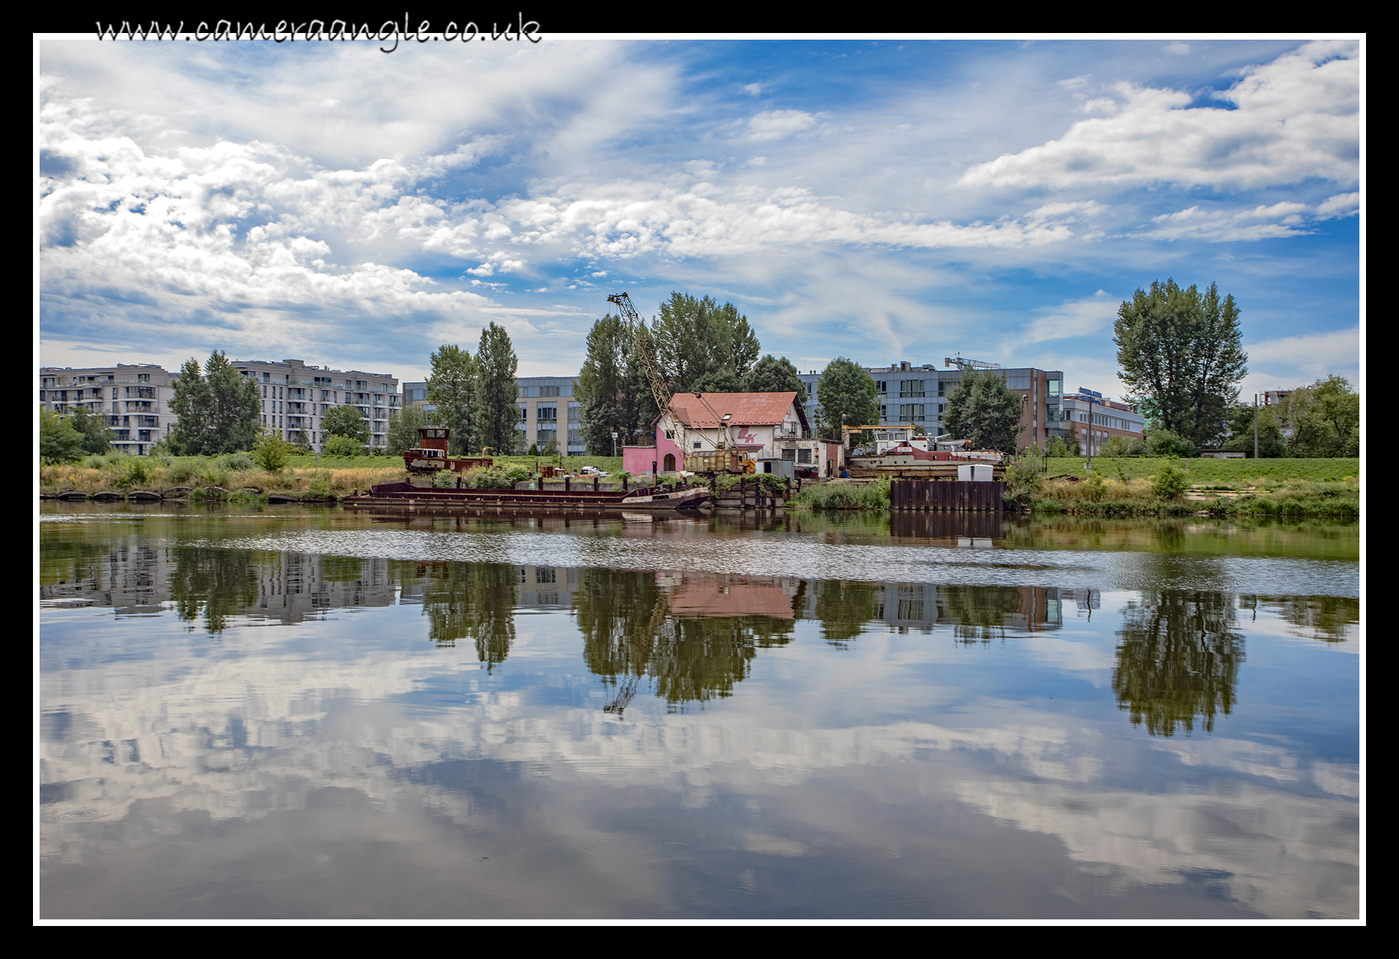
(135, 399)
(295, 397)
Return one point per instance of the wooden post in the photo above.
(596, 480)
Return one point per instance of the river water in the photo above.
(307, 713)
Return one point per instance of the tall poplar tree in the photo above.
(497, 395)
(451, 387)
(612, 388)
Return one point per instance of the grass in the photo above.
(334, 477)
(1227, 473)
(1104, 494)
(843, 494)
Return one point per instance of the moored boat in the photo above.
(652, 498)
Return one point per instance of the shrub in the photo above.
(1167, 443)
(1170, 482)
(1025, 476)
(342, 446)
(271, 453)
(488, 478)
(444, 479)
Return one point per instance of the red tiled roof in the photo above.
(746, 409)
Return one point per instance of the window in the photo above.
(804, 456)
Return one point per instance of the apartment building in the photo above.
(917, 395)
(295, 397)
(133, 399)
(548, 411)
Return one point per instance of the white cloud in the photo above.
(753, 89)
(1255, 223)
(1074, 318)
(779, 124)
(1218, 226)
(1177, 49)
(1299, 360)
(1294, 118)
(1343, 204)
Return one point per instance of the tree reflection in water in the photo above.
(474, 601)
(218, 582)
(1177, 659)
(691, 636)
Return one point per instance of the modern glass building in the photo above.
(916, 396)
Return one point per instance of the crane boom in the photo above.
(660, 389)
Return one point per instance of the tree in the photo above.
(1323, 419)
(497, 395)
(403, 428)
(773, 375)
(451, 388)
(1182, 351)
(93, 430)
(1241, 431)
(345, 421)
(1169, 443)
(218, 410)
(341, 445)
(58, 441)
(702, 346)
(982, 410)
(612, 389)
(847, 395)
(271, 452)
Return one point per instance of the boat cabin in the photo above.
(430, 455)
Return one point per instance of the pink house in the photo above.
(762, 426)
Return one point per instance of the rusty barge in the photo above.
(405, 496)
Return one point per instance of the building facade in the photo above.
(295, 397)
(1095, 419)
(917, 395)
(133, 399)
(547, 412)
(768, 428)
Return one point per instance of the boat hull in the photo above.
(404, 496)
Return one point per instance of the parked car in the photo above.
(591, 471)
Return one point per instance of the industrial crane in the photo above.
(660, 390)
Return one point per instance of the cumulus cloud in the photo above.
(1292, 119)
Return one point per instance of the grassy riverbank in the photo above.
(1323, 488)
(333, 478)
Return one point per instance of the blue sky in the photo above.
(895, 199)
